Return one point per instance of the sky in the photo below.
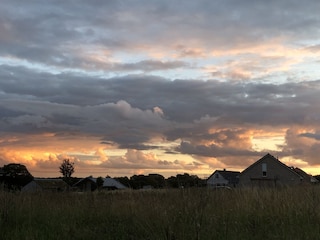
(136, 87)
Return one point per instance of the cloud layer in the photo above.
(126, 87)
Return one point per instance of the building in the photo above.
(112, 184)
(46, 184)
(268, 171)
(223, 178)
(89, 184)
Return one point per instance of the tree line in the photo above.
(14, 176)
(158, 181)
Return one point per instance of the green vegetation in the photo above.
(194, 213)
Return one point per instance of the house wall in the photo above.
(86, 186)
(277, 174)
(217, 179)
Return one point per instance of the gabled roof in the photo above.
(112, 183)
(269, 156)
(304, 175)
(231, 176)
(107, 182)
(90, 178)
(45, 184)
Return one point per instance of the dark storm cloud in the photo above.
(213, 150)
(315, 136)
(203, 98)
(131, 111)
(181, 100)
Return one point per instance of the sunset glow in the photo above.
(139, 87)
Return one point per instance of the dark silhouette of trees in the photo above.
(184, 181)
(138, 181)
(99, 182)
(15, 176)
(66, 168)
(158, 181)
(151, 180)
(172, 182)
(124, 180)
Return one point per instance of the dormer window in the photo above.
(264, 169)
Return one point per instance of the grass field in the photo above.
(290, 213)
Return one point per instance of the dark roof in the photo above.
(231, 176)
(90, 178)
(304, 175)
(107, 182)
(269, 156)
(112, 183)
(46, 183)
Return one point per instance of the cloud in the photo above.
(315, 136)
(302, 144)
(195, 79)
(134, 159)
(149, 65)
(134, 111)
(84, 36)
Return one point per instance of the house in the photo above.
(268, 171)
(307, 177)
(46, 184)
(112, 184)
(89, 184)
(223, 178)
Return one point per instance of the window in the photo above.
(264, 169)
(217, 176)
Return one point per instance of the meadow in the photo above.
(198, 213)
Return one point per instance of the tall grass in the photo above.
(290, 213)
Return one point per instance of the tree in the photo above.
(156, 180)
(66, 168)
(185, 180)
(99, 182)
(124, 180)
(153, 180)
(15, 176)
